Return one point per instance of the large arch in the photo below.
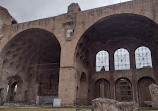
(128, 28)
(124, 30)
(34, 54)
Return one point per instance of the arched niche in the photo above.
(83, 90)
(123, 90)
(144, 96)
(102, 88)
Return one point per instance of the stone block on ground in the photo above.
(153, 88)
(100, 104)
(57, 102)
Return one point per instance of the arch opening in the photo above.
(12, 92)
(83, 89)
(126, 31)
(123, 89)
(14, 88)
(102, 88)
(34, 54)
(129, 29)
(143, 91)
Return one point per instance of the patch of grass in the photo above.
(16, 108)
(148, 109)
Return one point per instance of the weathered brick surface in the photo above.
(70, 69)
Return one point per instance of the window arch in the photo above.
(121, 59)
(143, 57)
(102, 61)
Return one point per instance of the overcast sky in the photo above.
(27, 10)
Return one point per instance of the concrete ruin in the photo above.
(154, 95)
(56, 57)
(100, 104)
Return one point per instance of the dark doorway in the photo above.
(143, 91)
(102, 88)
(123, 90)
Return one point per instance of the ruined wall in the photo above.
(68, 29)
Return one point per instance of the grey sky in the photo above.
(27, 10)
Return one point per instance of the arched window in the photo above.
(102, 61)
(121, 59)
(143, 57)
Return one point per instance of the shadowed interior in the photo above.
(34, 55)
(128, 31)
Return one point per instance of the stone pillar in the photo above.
(67, 86)
(134, 88)
(133, 68)
(132, 59)
(68, 75)
(111, 61)
(33, 91)
(5, 93)
(154, 54)
(112, 81)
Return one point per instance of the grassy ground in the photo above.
(148, 109)
(15, 108)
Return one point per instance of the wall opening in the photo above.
(102, 88)
(83, 89)
(143, 58)
(122, 59)
(109, 34)
(15, 89)
(34, 54)
(123, 90)
(143, 91)
(14, 22)
(102, 61)
(12, 92)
